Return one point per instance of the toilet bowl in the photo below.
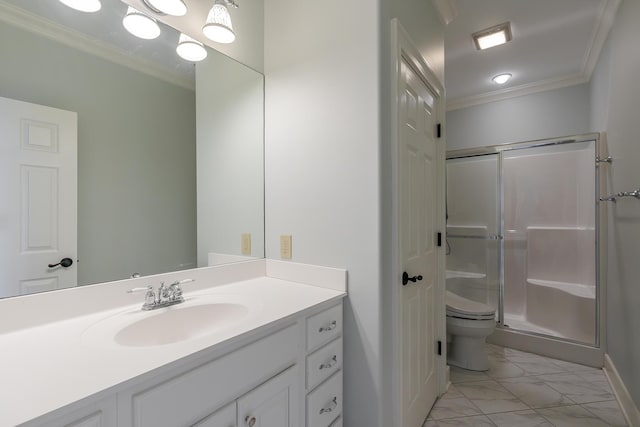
(469, 323)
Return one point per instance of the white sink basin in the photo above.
(190, 320)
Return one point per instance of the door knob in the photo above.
(406, 279)
(64, 262)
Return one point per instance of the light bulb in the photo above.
(83, 5)
(190, 49)
(170, 7)
(218, 26)
(140, 25)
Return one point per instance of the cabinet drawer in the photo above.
(323, 327)
(337, 423)
(323, 363)
(324, 404)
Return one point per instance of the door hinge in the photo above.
(439, 239)
(439, 348)
(438, 130)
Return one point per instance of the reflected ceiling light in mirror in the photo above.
(83, 5)
(501, 78)
(140, 25)
(494, 36)
(218, 26)
(167, 7)
(190, 49)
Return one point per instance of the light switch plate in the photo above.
(246, 244)
(285, 247)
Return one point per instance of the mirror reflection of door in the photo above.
(38, 197)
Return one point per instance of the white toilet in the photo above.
(469, 323)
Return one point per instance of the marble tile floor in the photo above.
(526, 390)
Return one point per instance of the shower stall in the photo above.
(523, 226)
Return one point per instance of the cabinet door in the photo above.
(225, 417)
(273, 404)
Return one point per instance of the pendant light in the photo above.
(167, 7)
(83, 5)
(190, 49)
(140, 25)
(218, 26)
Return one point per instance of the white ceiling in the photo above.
(555, 43)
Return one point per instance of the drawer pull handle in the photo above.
(251, 421)
(328, 328)
(331, 364)
(331, 406)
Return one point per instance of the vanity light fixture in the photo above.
(83, 5)
(218, 26)
(190, 49)
(494, 36)
(167, 7)
(140, 25)
(501, 78)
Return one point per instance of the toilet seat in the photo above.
(463, 308)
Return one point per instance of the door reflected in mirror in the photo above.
(169, 155)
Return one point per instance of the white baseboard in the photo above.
(628, 406)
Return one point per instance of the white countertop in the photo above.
(52, 365)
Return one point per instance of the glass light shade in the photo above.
(218, 26)
(501, 78)
(170, 7)
(83, 5)
(140, 25)
(190, 49)
(494, 36)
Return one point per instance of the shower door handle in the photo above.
(406, 279)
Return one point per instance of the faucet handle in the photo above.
(136, 290)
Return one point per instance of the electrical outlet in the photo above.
(285, 247)
(246, 244)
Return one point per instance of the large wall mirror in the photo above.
(168, 159)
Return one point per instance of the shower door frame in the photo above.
(548, 345)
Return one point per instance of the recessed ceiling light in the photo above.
(83, 5)
(140, 25)
(168, 7)
(494, 36)
(501, 78)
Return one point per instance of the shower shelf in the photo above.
(577, 289)
(452, 274)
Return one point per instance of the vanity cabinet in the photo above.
(289, 375)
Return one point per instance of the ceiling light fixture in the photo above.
(190, 49)
(494, 36)
(167, 7)
(501, 78)
(83, 5)
(140, 25)
(218, 26)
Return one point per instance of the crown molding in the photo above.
(33, 23)
(605, 21)
(516, 91)
(447, 9)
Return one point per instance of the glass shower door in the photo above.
(550, 240)
(473, 228)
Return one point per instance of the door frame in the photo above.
(402, 48)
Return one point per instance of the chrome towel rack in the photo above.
(614, 198)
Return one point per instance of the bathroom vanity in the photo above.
(256, 343)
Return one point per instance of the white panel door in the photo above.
(38, 197)
(417, 216)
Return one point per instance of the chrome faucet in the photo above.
(166, 296)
